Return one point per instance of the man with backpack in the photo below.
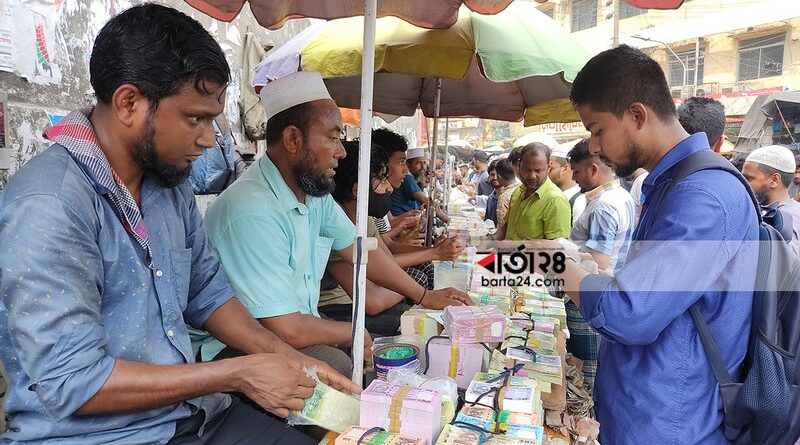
(693, 247)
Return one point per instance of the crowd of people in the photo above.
(131, 318)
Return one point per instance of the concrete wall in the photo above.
(28, 105)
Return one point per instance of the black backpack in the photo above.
(763, 408)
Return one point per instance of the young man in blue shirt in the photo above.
(693, 246)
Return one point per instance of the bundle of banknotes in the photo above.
(474, 324)
(418, 321)
(482, 299)
(544, 368)
(456, 435)
(328, 408)
(553, 308)
(358, 435)
(459, 362)
(506, 422)
(402, 409)
(542, 343)
(517, 394)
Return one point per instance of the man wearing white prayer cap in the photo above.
(561, 175)
(770, 171)
(275, 227)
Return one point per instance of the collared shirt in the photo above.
(542, 215)
(78, 295)
(403, 197)
(606, 225)
(792, 208)
(274, 248)
(654, 382)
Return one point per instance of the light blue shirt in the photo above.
(274, 248)
(606, 225)
(654, 382)
(77, 295)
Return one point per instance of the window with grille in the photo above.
(676, 73)
(761, 57)
(626, 10)
(584, 14)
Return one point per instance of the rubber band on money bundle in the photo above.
(506, 373)
(497, 409)
(484, 435)
(373, 430)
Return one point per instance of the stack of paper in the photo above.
(329, 409)
(474, 324)
(540, 342)
(356, 435)
(543, 308)
(545, 368)
(503, 302)
(455, 435)
(506, 422)
(419, 321)
(402, 409)
(459, 362)
(451, 274)
(520, 395)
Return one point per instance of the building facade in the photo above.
(731, 50)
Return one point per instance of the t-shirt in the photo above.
(636, 193)
(578, 204)
(545, 214)
(607, 224)
(330, 290)
(403, 197)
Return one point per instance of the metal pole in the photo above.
(685, 68)
(696, 64)
(616, 24)
(360, 262)
(446, 165)
(431, 211)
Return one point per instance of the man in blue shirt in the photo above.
(654, 383)
(409, 196)
(106, 260)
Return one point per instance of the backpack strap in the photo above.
(707, 160)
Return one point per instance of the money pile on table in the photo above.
(402, 409)
(474, 324)
(329, 409)
(356, 435)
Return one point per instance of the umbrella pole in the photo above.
(446, 166)
(361, 246)
(432, 185)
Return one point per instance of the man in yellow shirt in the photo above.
(538, 209)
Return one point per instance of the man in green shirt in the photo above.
(538, 209)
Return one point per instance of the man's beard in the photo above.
(632, 161)
(146, 157)
(312, 183)
(762, 196)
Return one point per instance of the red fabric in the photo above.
(272, 14)
(656, 4)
